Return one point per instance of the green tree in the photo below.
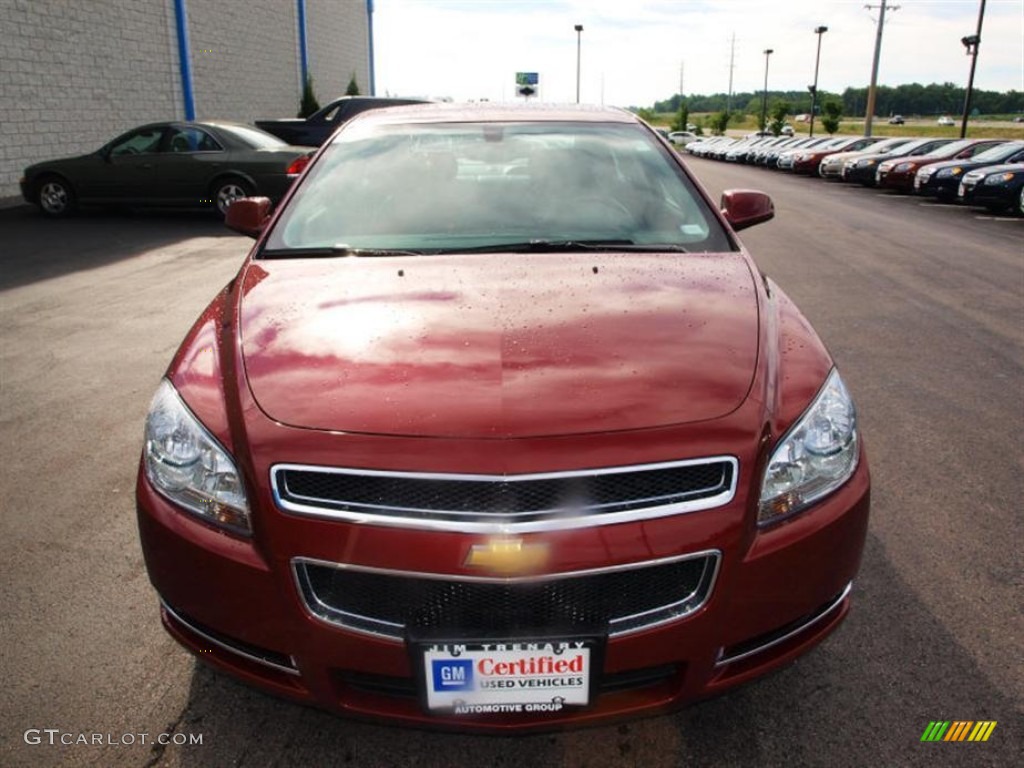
(833, 110)
(647, 115)
(353, 86)
(308, 105)
(779, 111)
(719, 123)
(682, 118)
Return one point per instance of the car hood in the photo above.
(841, 157)
(499, 345)
(66, 163)
(941, 164)
(987, 170)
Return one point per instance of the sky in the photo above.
(633, 52)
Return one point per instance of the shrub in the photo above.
(833, 110)
(308, 105)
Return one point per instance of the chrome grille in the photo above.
(522, 503)
(618, 600)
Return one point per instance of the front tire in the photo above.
(226, 191)
(55, 197)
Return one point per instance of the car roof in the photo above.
(496, 113)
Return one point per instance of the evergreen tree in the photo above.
(308, 105)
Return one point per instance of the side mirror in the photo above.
(248, 215)
(744, 208)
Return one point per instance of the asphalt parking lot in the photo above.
(922, 307)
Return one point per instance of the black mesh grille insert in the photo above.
(617, 600)
(446, 498)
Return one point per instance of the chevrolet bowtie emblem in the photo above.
(508, 557)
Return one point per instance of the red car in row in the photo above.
(899, 172)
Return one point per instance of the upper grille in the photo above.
(525, 502)
(618, 600)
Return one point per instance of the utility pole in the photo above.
(764, 98)
(819, 31)
(870, 110)
(971, 44)
(682, 70)
(579, 37)
(732, 66)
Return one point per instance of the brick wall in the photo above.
(74, 73)
(337, 38)
(245, 59)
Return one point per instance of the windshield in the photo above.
(454, 187)
(1000, 152)
(948, 150)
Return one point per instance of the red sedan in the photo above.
(806, 163)
(499, 427)
(899, 172)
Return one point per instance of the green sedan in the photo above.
(205, 165)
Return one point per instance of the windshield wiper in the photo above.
(525, 246)
(561, 246)
(333, 250)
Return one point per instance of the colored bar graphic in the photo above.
(935, 730)
(958, 730)
(983, 730)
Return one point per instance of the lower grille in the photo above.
(618, 600)
(405, 687)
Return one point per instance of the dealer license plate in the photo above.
(508, 677)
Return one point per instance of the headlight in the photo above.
(998, 178)
(903, 167)
(945, 173)
(867, 163)
(816, 456)
(187, 465)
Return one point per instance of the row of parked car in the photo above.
(985, 173)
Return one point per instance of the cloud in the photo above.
(632, 52)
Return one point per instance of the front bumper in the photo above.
(236, 605)
(901, 181)
(988, 195)
(865, 175)
(829, 170)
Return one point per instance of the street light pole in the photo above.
(819, 31)
(764, 97)
(972, 44)
(579, 36)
